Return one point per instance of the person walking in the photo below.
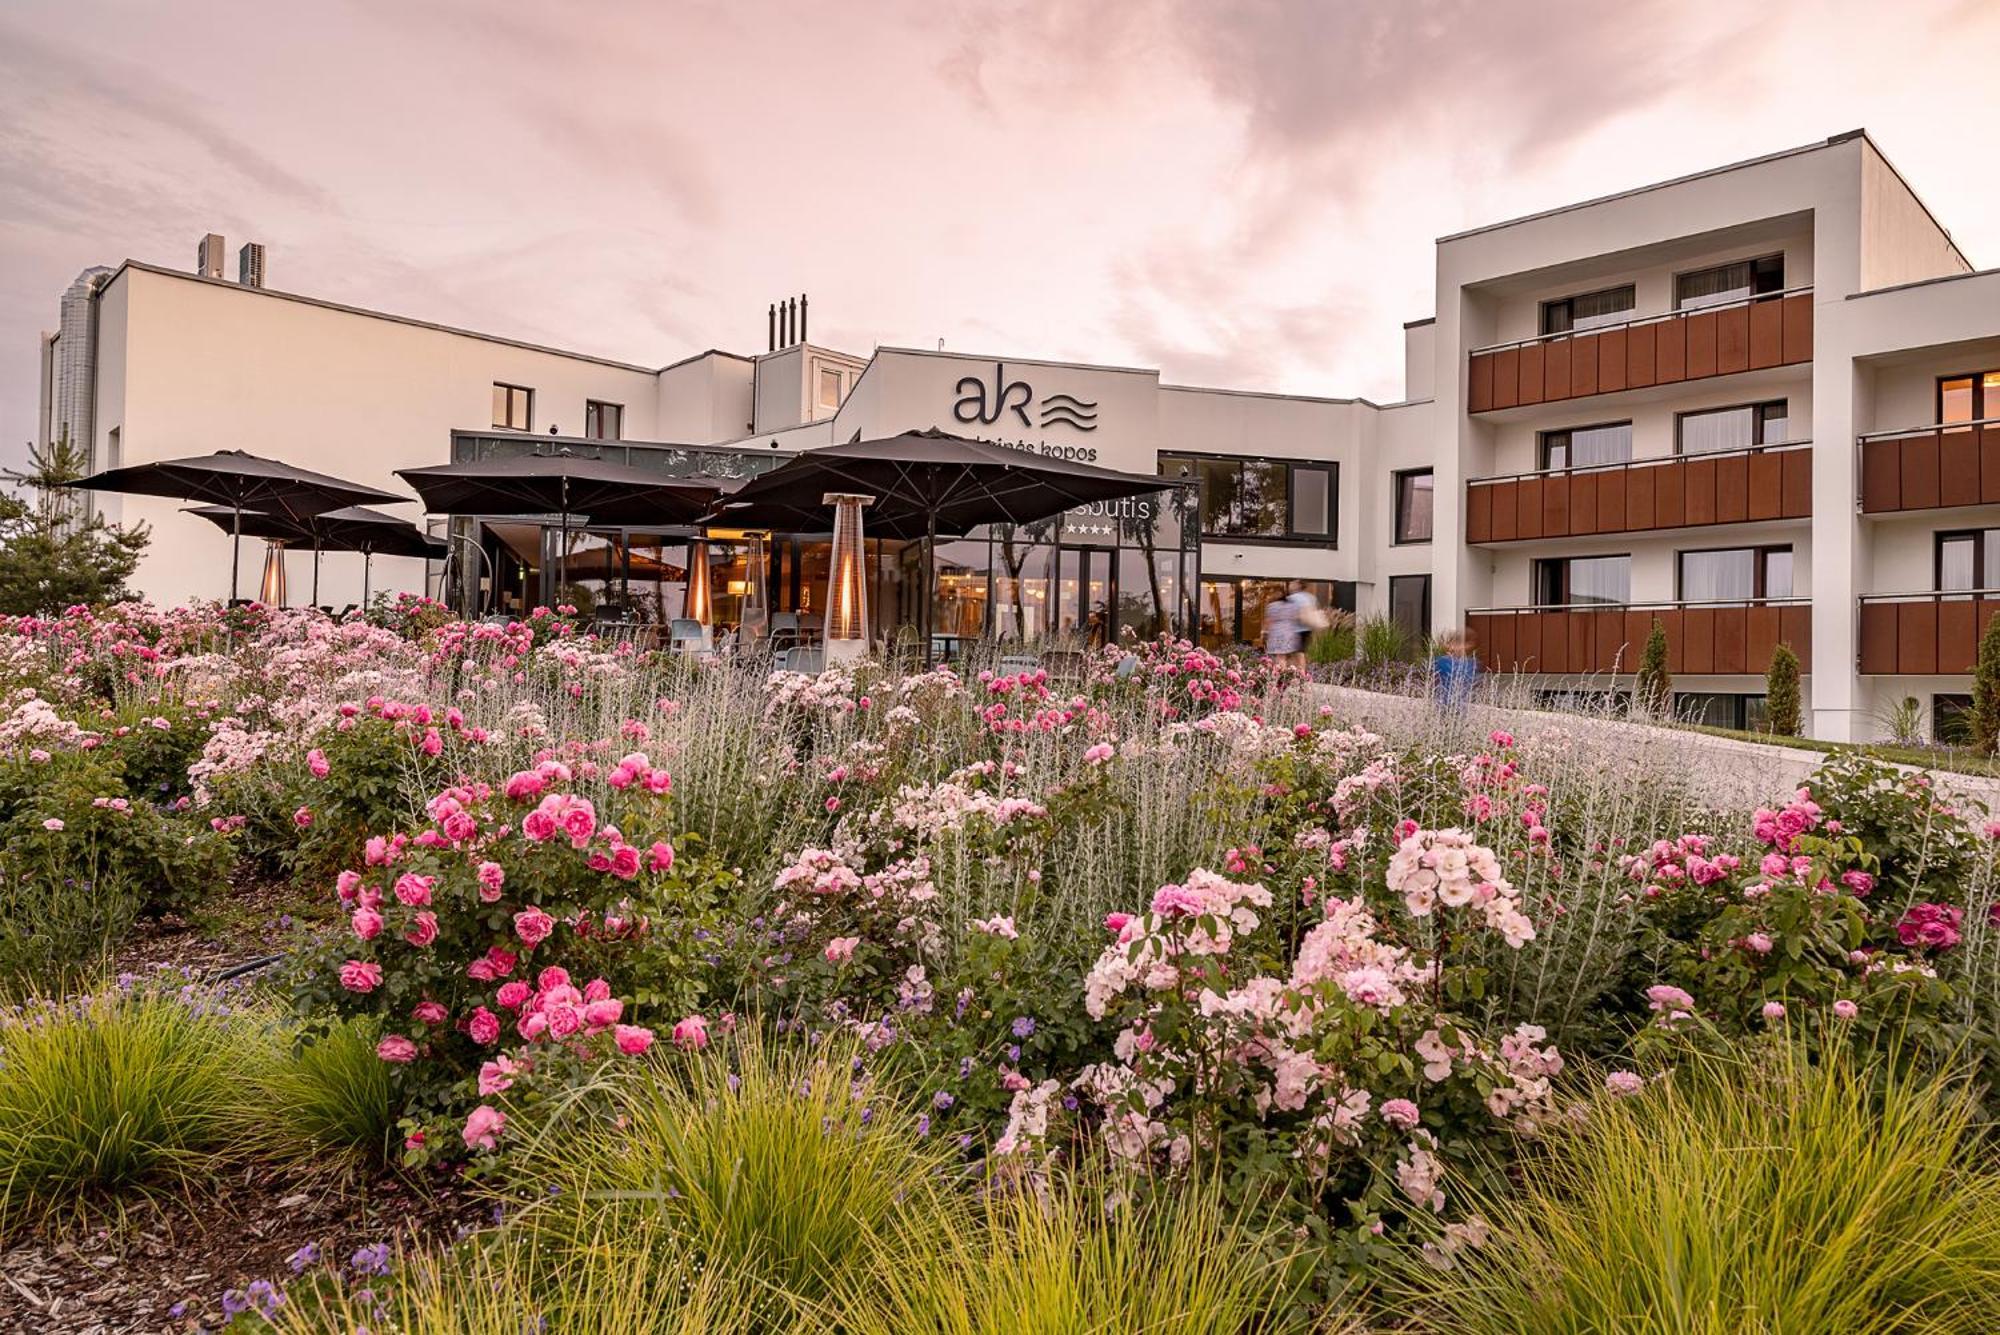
(1454, 673)
(1289, 622)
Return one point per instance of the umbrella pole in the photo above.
(367, 570)
(315, 572)
(235, 547)
(930, 582)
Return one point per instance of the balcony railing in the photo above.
(1774, 329)
(1703, 638)
(1931, 467)
(1924, 634)
(1765, 482)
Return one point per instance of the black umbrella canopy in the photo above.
(238, 480)
(352, 528)
(925, 482)
(590, 490)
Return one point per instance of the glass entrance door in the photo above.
(1083, 593)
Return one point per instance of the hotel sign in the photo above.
(989, 405)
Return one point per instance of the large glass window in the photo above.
(1414, 494)
(1725, 283)
(1737, 428)
(1722, 709)
(1969, 398)
(1261, 498)
(1563, 581)
(1587, 310)
(1580, 447)
(513, 407)
(1968, 559)
(1734, 573)
(603, 421)
(1410, 605)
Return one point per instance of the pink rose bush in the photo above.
(462, 936)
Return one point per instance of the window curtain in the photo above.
(1600, 579)
(1712, 287)
(1713, 577)
(1729, 429)
(1601, 445)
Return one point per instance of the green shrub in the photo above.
(1335, 644)
(764, 1164)
(1781, 692)
(1758, 1193)
(1986, 691)
(331, 1093)
(1383, 642)
(1177, 1264)
(140, 1088)
(1653, 691)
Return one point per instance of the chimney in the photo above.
(802, 317)
(208, 256)
(250, 264)
(771, 328)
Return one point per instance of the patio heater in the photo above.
(700, 602)
(847, 580)
(271, 591)
(756, 617)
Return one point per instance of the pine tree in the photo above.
(1654, 688)
(1986, 691)
(1781, 692)
(54, 553)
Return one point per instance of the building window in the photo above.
(829, 387)
(1735, 574)
(1274, 499)
(1738, 428)
(1968, 559)
(1414, 494)
(1951, 719)
(603, 421)
(1410, 605)
(1722, 709)
(1582, 446)
(1969, 398)
(1567, 581)
(1725, 283)
(513, 407)
(1232, 608)
(1587, 310)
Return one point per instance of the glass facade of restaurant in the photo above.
(1090, 575)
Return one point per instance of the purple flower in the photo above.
(234, 1303)
(303, 1257)
(1024, 1026)
(923, 1126)
(942, 1100)
(371, 1260)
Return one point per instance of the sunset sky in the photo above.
(1239, 192)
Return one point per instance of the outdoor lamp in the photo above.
(700, 602)
(271, 592)
(847, 580)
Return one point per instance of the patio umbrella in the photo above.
(566, 485)
(243, 482)
(353, 528)
(926, 483)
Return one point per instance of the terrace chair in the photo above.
(807, 659)
(688, 636)
(1128, 667)
(1012, 665)
(1064, 664)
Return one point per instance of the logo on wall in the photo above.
(984, 404)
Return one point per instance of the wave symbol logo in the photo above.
(1069, 410)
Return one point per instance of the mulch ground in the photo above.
(165, 1267)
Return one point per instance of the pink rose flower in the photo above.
(396, 1048)
(497, 1076)
(514, 995)
(431, 1012)
(841, 949)
(603, 1014)
(360, 975)
(1115, 922)
(1846, 1009)
(691, 1032)
(345, 884)
(1624, 1084)
(423, 929)
(367, 924)
(1400, 1113)
(483, 1127)
(53, 825)
(660, 857)
(625, 862)
(525, 785)
(303, 817)
(492, 876)
(413, 889)
(317, 764)
(633, 1039)
(538, 826)
(482, 1026)
(1774, 1010)
(533, 927)
(594, 990)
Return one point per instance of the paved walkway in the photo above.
(1732, 772)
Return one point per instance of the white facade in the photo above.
(1863, 310)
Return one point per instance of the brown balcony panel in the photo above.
(1694, 345)
(1724, 639)
(1931, 468)
(1923, 634)
(1683, 492)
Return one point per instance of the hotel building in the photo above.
(1758, 405)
